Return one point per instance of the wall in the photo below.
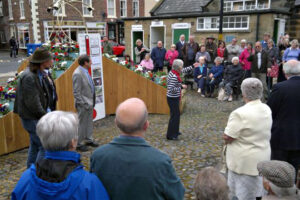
(266, 24)
(149, 4)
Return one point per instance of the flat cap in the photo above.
(280, 173)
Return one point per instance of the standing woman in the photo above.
(273, 54)
(283, 44)
(140, 51)
(244, 60)
(174, 87)
(221, 51)
(291, 53)
(171, 55)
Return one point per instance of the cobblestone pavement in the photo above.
(202, 125)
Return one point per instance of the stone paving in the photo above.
(202, 125)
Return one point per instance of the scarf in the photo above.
(178, 78)
(221, 52)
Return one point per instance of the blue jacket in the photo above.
(131, 169)
(198, 72)
(79, 184)
(158, 56)
(217, 71)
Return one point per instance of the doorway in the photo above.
(157, 33)
(135, 36)
(178, 32)
(279, 29)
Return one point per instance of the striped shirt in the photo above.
(173, 85)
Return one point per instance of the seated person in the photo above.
(278, 180)
(211, 185)
(214, 77)
(232, 77)
(200, 74)
(60, 175)
(129, 167)
(147, 63)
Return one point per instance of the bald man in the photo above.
(129, 167)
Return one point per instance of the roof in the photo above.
(176, 7)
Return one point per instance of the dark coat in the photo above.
(217, 71)
(197, 72)
(158, 57)
(233, 74)
(284, 102)
(211, 48)
(273, 54)
(32, 99)
(179, 47)
(130, 168)
(52, 91)
(265, 62)
(196, 48)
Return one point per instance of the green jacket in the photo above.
(130, 169)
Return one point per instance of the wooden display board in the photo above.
(120, 84)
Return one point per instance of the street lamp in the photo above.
(221, 20)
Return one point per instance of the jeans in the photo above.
(36, 150)
(201, 84)
(211, 84)
(173, 128)
(13, 52)
(227, 87)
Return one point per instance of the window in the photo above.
(2, 37)
(85, 5)
(227, 6)
(229, 23)
(111, 8)
(10, 10)
(22, 12)
(123, 8)
(241, 5)
(135, 8)
(23, 36)
(1, 8)
(61, 8)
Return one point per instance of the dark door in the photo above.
(112, 32)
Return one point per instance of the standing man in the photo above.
(284, 103)
(107, 47)
(13, 47)
(84, 94)
(264, 42)
(129, 167)
(233, 50)
(260, 66)
(179, 46)
(33, 100)
(189, 51)
(158, 56)
(211, 48)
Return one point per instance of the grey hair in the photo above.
(292, 68)
(138, 40)
(295, 41)
(282, 192)
(235, 58)
(57, 129)
(218, 59)
(202, 57)
(270, 40)
(177, 63)
(210, 184)
(252, 89)
(137, 126)
(243, 41)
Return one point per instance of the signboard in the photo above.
(181, 25)
(96, 24)
(93, 43)
(138, 27)
(157, 23)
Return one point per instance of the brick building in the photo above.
(30, 22)
(169, 19)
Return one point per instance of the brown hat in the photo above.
(211, 37)
(40, 55)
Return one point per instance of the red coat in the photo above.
(171, 56)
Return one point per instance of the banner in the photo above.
(91, 44)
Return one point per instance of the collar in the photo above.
(202, 65)
(63, 155)
(129, 140)
(84, 69)
(257, 101)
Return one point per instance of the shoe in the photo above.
(82, 148)
(225, 98)
(199, 90)
(92, 144)
(179, 133)
(202, 95)
(172, 138)
(230, 99)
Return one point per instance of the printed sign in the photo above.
(94, 41)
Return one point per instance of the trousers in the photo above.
(85, 129)
(263, 78)
(174, 122)
(201, 84)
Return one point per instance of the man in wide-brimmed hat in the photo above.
(35, 96)
(211, 47)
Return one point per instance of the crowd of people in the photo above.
(262, 148)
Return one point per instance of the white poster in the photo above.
(96, 69)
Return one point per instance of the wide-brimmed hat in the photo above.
(280, 173)
(211, 37)
(40, 55)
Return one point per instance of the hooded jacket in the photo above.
(78, 184)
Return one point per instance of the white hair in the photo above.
(57, 129)
(218, 59)
(292, 68)
(295, 41)
(243, 41)
(177, 63)
(252, 89)
(202, 57)
(235, 58)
